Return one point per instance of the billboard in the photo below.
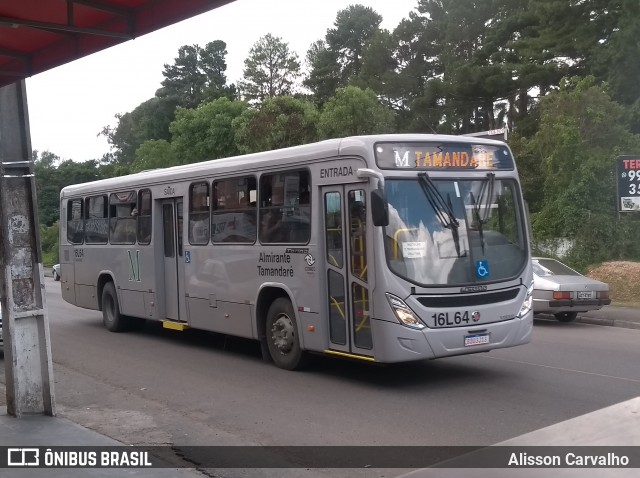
(628, 183)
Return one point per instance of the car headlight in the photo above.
(527, 304)
(403, 313)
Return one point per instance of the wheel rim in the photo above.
(282, 334)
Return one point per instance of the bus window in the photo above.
(75, 224)
(96, 226)
(234, 210)
(285, 208)
(122, 217)
(144, 216)
(333, 225)
(199, 213)
(358, 224)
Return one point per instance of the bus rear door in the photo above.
(172, 232)
(347, 302)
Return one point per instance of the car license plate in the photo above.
(584, 295)
(477, 339)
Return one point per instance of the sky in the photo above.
(69, 105)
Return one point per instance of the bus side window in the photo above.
(144, 216)
(284, 208)
(75, 223)
(199, 201)
(96, 224)
(122, 217)
(233, 218)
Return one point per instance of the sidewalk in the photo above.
(40, 430)
(609, 315)
(627, 317)
(614, 426)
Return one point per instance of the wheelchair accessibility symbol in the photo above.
(482, 269)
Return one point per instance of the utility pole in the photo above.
(28, 365)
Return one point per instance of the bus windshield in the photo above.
(454, 232)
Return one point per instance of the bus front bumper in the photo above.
(396, 343)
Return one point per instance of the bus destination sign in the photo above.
(442, 156)
(628, 179)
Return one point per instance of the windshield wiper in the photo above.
(485, 195)
(443, 209)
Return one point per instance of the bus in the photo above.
(387, 248)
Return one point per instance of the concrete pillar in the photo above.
(27, 351)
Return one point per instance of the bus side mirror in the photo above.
(379, 208)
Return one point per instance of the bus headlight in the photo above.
(403, 313)
(527, 304)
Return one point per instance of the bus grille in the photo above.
(468, 300)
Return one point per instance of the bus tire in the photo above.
(282, 336)
(566, 316)
(112, 319)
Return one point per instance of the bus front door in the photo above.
(346, 258)
(172, 218)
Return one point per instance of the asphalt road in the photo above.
(193, 388)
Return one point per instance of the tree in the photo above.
(206, 132)
(353, 28)
(270, 70)
(197, 72)
(379, 70)
(353, 111)
(150, 120)
(152, 154)
(581, 133)
(278, 123)
(324, 73)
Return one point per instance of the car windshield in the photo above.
(452, 232)
(550, 267)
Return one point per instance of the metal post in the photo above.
(28, 365)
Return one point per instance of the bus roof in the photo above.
(348, 146)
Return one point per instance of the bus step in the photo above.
(180, 326)
(350, 356)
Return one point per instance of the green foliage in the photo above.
(324, 75)
(353, 111)
(353, 28)
(152, 154)
(581, 133)
(196, 72)
(52, 177)
(278, 123)
(148, 121)
(270, 70)
(49, 243)
(206, 132)
(605, 237)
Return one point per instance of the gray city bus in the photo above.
(385, 248)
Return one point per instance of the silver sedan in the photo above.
(563, 292)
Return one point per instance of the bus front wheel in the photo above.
(112, 319)
(282, 336)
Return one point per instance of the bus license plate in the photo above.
(478, 339)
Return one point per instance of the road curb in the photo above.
(608, 322)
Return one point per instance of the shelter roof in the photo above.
(37, 35)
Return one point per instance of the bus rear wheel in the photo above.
(282, 336)
(112, 319)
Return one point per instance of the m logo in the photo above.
(134, 265)
(401, 162)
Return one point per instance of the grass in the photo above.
(624, 281)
